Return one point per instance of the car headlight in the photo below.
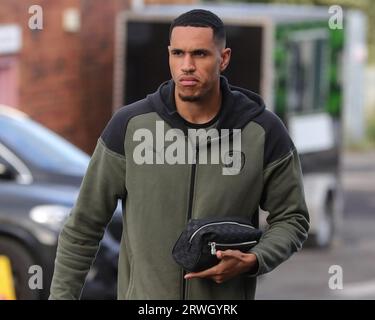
(52, 216)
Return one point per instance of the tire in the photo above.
(323, 238)
(20, 260)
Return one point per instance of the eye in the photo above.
(200, 53)
(177, 52)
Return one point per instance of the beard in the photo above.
(189, 98)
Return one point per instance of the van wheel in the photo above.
(20, 260)
(323, 237)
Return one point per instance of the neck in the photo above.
(201, 111)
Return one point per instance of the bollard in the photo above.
(7, 291)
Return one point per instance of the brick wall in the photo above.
(97, 38)
(49, 83)
(66, 79)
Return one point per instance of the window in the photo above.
(8, 81)
(308, 62)
(41, 147)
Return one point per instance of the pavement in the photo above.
(307, 274)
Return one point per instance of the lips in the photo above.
(188, 81)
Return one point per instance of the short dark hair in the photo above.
(201, 18)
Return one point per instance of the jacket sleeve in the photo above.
(79, 239)
(283, 197)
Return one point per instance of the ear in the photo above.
(225, 58)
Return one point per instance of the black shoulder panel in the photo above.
(277, 141)
(114, 133)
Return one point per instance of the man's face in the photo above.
(196, 61)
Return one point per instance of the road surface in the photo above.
(306, 274)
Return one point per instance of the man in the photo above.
(161, 191)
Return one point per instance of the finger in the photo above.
(202, 274)
(226, 253)
(219, 254)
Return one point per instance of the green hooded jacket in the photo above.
(159, 197)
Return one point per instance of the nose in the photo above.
(188, 65)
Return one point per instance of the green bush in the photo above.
(370, 128)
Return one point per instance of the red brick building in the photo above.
(62, 75)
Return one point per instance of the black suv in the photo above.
(40, 176)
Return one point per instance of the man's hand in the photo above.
(233, 263)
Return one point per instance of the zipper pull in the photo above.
(213, 248)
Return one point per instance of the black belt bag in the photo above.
(195, 249)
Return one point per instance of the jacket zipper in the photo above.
(213, 245)
(215, 223)
(190, 208)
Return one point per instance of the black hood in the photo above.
(238, 107)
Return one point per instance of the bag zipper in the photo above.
(215, 223)
(214, 244)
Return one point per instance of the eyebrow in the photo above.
(199, 50)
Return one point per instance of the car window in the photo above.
(42, 147)
(7, 171)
